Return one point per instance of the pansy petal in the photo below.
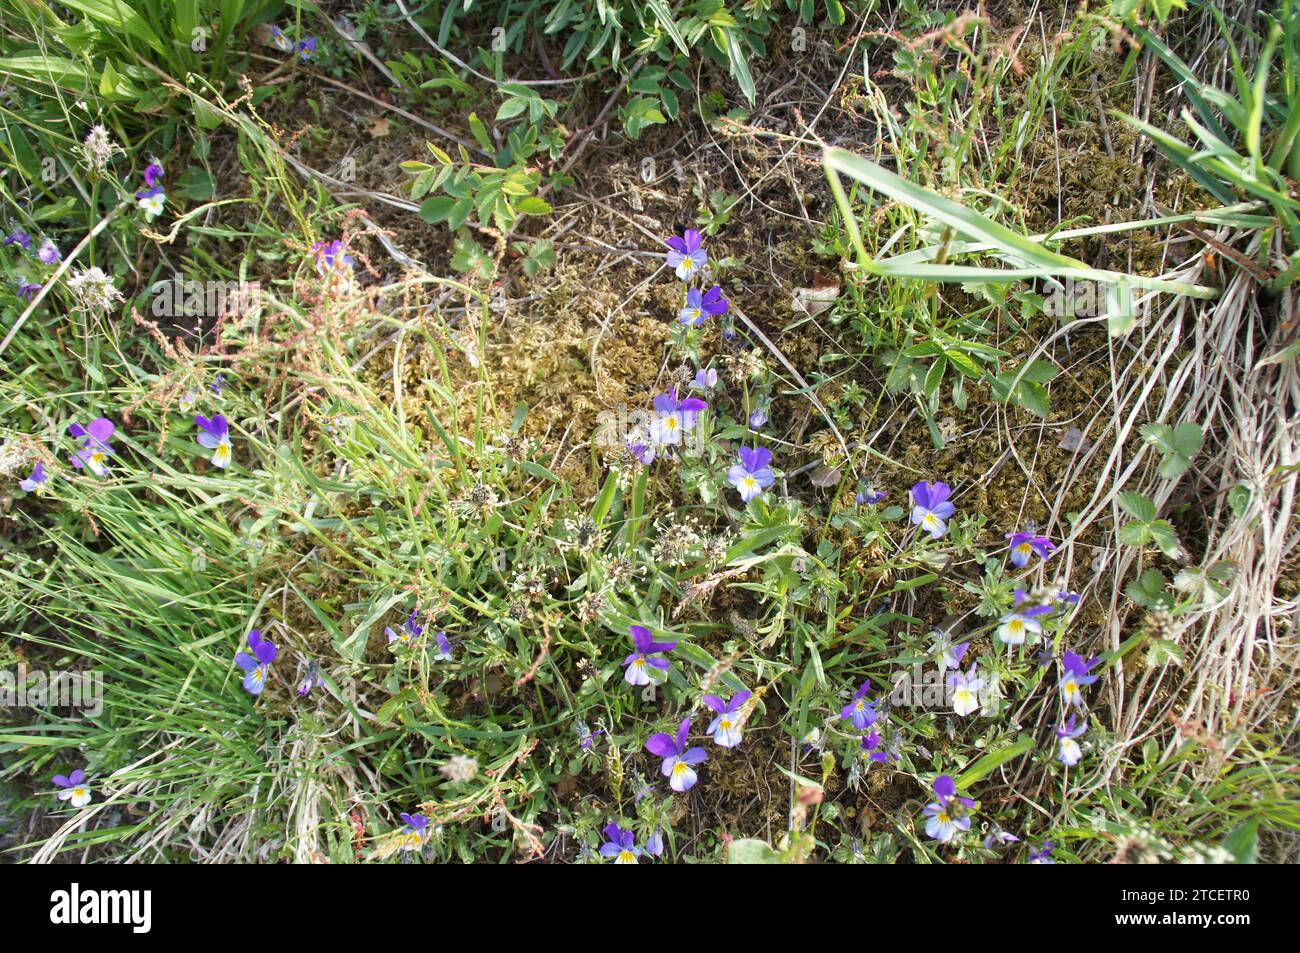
(101, 429)
(662, 745)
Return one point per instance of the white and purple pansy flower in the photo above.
(257, 664)
(36, 481)
(965, 688)
(151, 201)
(949, 814)
(49, 253)
(1022, 619)
(705, 379)
(686, 254)
(727, 728)
(946, 654)
(931, 508)
(619, 845)
(1067, 734)
(753, 474)
(95, 448)
(281, 41)
(74, 788)
(639, 663)
(1075, 678)
(214, 435)
(679, 761)
(702, 305)
(674, 417)
(1025, 545)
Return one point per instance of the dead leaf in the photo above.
(813, 301)
(825, 476)
(378, 127)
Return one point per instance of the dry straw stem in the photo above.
(1200, 362)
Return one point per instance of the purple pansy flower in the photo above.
(1021, 620)
(1043, 855)
(214, 435)
(859, 710)
(949, 814)
(620, 845)
(726, 729)
(153, 174)
(27, 290)
(645, 452)
(757, 419)
(95, 448)
(35, 483)
(1024, 545)
(18, 237)
(1076, 676)
(654, 845)
(49, 253)
(931, 508)
(76, 790)
(873, 748)
(679, 761)
(411, 629)
(705, 379)
(1000, 838)
(752, 475)
(443, 654)
(151, 201)
(415, 830)
(869, 497)
(947, 654)
(311, 680)
(306, 48)
(639, 662)
(282, 42)
(258, 664)
(675, 417)
(965, 687)
(332, 257)
(702, 305)
(686, 254)
(1070, 751)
